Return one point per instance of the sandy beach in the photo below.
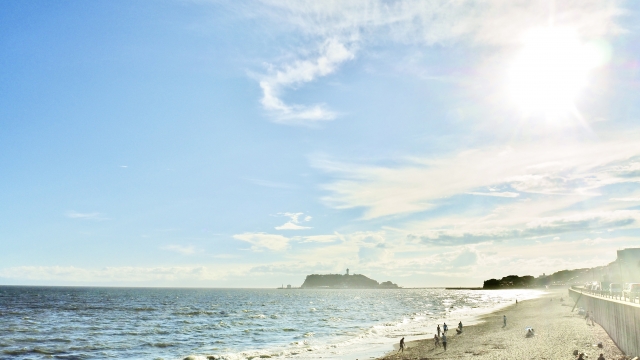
(558, 332)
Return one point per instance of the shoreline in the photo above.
(558, 332)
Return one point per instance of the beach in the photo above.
(558, 333)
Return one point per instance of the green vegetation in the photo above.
(510, 282)
(338, 281)
(563, 277)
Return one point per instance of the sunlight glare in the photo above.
(551, 70)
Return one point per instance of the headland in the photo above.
(346, 281)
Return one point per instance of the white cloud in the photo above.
(124, 274)
(261, 241)
(537, 227)
(497, 194)
(84, 216)
(415, 21)
(331, 54)
(343, 26)
(185, 250)
(416, 185)
(293, 223)
(319, 238)
(374, 254)
(225, 256)
(291, 226)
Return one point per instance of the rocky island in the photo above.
(346, 281)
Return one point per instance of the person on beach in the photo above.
(401, 344)
(444, 341)
(530, 332)
(438, 329)
(516, 301)
(460, 325)
(504, 320)
(601, 357)
(444, 328)
(436, 341)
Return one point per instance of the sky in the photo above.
(248, 144)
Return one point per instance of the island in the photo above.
(346, 281)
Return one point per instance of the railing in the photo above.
(620, 296)
(619, 316)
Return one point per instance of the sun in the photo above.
(551, 70)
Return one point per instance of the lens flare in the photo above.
(551, 70)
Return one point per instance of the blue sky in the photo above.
(247, 144)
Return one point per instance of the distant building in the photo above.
(288, 286)
(628, 265)
(347, 271)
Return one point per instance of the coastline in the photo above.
(558, 332)
(377, 348)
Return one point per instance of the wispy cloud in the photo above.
(184, 250)
(406, 21)
(629, 199)
(420, 184)
(294, 221)
(85, 216)
(320, 238)
(341, 27)
(507, 194)
(549, 226)
(123, 274)
(331, 54)
(272, 184)
(261, 241)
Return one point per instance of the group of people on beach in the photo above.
(442, 340)
(439, 340)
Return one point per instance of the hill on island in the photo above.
(338, 281)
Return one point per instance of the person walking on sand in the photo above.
(444, 341)
(438, 329)
(436, 341)
(460, 326)
(504, 320)
(444, 328)
(401, 344)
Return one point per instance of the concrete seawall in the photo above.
(620, 319)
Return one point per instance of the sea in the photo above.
(176, 323)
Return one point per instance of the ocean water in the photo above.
(161, 323)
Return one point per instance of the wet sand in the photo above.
(558, 332)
